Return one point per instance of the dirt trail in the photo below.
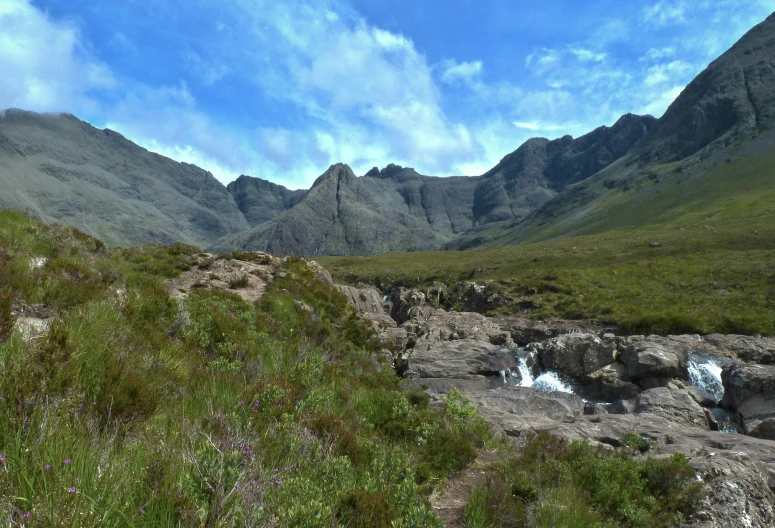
(450, 502)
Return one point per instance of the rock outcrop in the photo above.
(61, 168)
(750, 390)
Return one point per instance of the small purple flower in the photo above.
(72, 490)
(76, 480)
(26, 515)
(47, 467)
(2, 458)
(68, 461)
(142, 511)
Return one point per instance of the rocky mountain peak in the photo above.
(733, 98)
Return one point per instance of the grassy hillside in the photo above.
(134, 410)
(711, 267)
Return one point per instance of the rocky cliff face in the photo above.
(733, 98)
(64, 169)
(534, 173)
(261, 200)
(397, 209)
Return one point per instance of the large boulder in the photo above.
(430, 326)
(458, 359)
(514, 410)
(526, 331)
(759, 350)
(404, 301)
(655, 357)
(576, 354)
(750, 390)
(365, 298)
(675, 405)
(610, 383)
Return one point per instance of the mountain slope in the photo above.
(724, 116)
(397, 209)
(342, 214)
(261, 200)
(64, 169)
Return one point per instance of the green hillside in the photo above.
(663, 251)
(132, 409)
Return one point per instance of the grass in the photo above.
(713, 269)
(555, 483)
(137, 410)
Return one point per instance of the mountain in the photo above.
(261, 200)
(397, 209)
(712, 149)
(62, 168)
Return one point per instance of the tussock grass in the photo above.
(135, 410)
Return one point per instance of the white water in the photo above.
(546, 381)
(705, 373)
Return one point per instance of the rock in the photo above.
(701, 396)
(610, 383)
(459, 359)
(518, 409)
(743, 382)
(479, 296)
(653, 382)
(395, 339)
(576, 354)
(674, 405)
(759, 350)
(365, 298)
(430, 325)
(760, 428)
(467, 384)
(526, 331)
(654, 357)
(404, 301)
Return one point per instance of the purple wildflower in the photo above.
(47, 467)
(142, 511)
(72, 490)
(26, 515)
(68, 461)
(2, 458)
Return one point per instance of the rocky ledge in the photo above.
(710, 397)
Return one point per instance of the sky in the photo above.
(282, 89)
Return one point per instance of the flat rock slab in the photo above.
(458, 359)
(213, 272)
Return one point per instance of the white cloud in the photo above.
(659, 53)
(207, 72)
(460, 71)
(665, 13)
(668, 73)
(586, 54)
(44, 66)
(540, 126)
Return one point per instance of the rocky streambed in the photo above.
(711, 397)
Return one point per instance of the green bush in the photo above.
(365, 509)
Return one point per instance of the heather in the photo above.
(135, 409)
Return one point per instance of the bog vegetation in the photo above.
(135, 410)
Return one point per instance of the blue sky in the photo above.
(281, 89)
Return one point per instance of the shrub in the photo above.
(365, 509)
(7, 319)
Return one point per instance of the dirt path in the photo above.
(450, 502)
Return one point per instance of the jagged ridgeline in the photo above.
(124, 405)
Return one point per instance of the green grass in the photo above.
(555, 483)
(697, 280)
(135, 410)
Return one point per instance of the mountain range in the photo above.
(63, 169)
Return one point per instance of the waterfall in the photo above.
(545, 381)
(705, 373)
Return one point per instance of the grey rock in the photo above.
(365, 298)
(63, 169)
(701, 396)
(458, 359)
(523, 404)
(654, 357)
(261, 200)
(759, 350)
(576, 354)
(610, 383)
(742, 383)
(674, 405)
